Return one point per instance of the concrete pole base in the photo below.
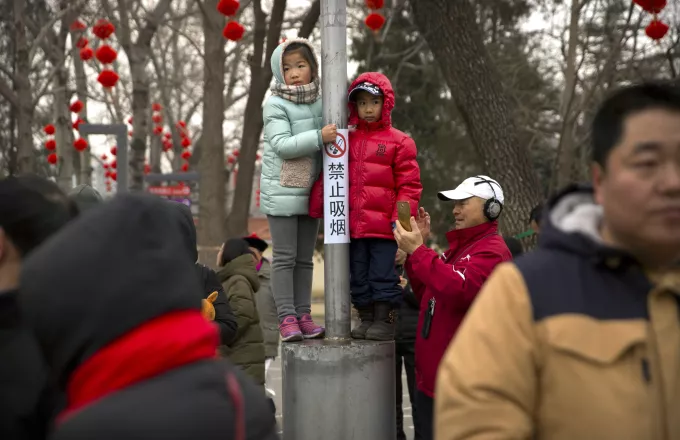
(338, 390)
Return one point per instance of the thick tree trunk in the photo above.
(83, 161)
(261, 76)
(566, 150)
(64, 134)
(211, 161)
(456, 42)
(26, 155)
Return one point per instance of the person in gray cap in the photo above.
(85, 197)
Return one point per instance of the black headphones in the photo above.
(492, 207)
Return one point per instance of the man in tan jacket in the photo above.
(581, 338)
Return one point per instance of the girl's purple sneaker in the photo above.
(290, 330)
(310, 330)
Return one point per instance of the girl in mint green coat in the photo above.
(293, 138)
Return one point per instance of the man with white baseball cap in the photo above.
(447, 284)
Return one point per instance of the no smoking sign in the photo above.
(338, 148)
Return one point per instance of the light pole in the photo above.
(337, 388)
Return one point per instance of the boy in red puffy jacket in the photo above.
(382, 170)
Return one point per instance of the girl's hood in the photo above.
(277, 57)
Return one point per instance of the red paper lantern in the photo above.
(186, 154)
(186, 142)
(185, 167)
(52, 158)
(49, 129)
(130, 120)
(80, 144)
(156, 107)
(108, 78)
(106, 54)
(114, 150)
(374, 21)
(236, 153)
(374, 4)
(158, 130)
(181, 124)
(651, 6)
(157, 118)
(50, 145)
(76, 106)
(228, 7)
(86, 53)
(130, 133)
(147, 168)
(77, 123)
(231, 160)
(233, 31)
(114, 164)
(104, 157)
(77, 26)
(258, 156)
(113, 175)
(82, 42)
(167, 147)
(656, 30)
(103, 29)
(167, 135)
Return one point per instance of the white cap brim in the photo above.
(454, 194)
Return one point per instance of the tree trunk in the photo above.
(456, 41)
(261, 76)
(83, 161)
(566, 149)
(211, 161)
(26, 156)
(64, 134)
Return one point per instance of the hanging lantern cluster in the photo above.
(110, 174)
(82, 43)
(105, 54)
(375, 20)
(157, 118)
(232, 158)
(76, 107)
(50, 144)
(233, 30)
(186, 144)
(656, 29)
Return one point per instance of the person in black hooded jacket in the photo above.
(224, 316)
(31, 210)
(135, 356)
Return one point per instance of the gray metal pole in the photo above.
(120, 131)
(334, 86)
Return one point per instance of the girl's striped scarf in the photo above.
(305, 94)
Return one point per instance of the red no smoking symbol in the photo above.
(338, 148)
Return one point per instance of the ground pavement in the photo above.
(276, 384)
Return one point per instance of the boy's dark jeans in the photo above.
(372, 273)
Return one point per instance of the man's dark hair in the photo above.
(607, 126)
(514, 245)
(31, 209)
(306, 53)
(536, 214)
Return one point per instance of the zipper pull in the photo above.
(432, 304)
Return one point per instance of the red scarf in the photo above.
(159, 345)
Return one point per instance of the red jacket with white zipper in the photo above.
(451, 281)
(382, 170)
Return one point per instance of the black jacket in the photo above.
(24, 396)
(407, 318)
(144, 273)
(224, 316)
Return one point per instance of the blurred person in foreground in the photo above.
(31, 210)
(580, 339)
(135, 356)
